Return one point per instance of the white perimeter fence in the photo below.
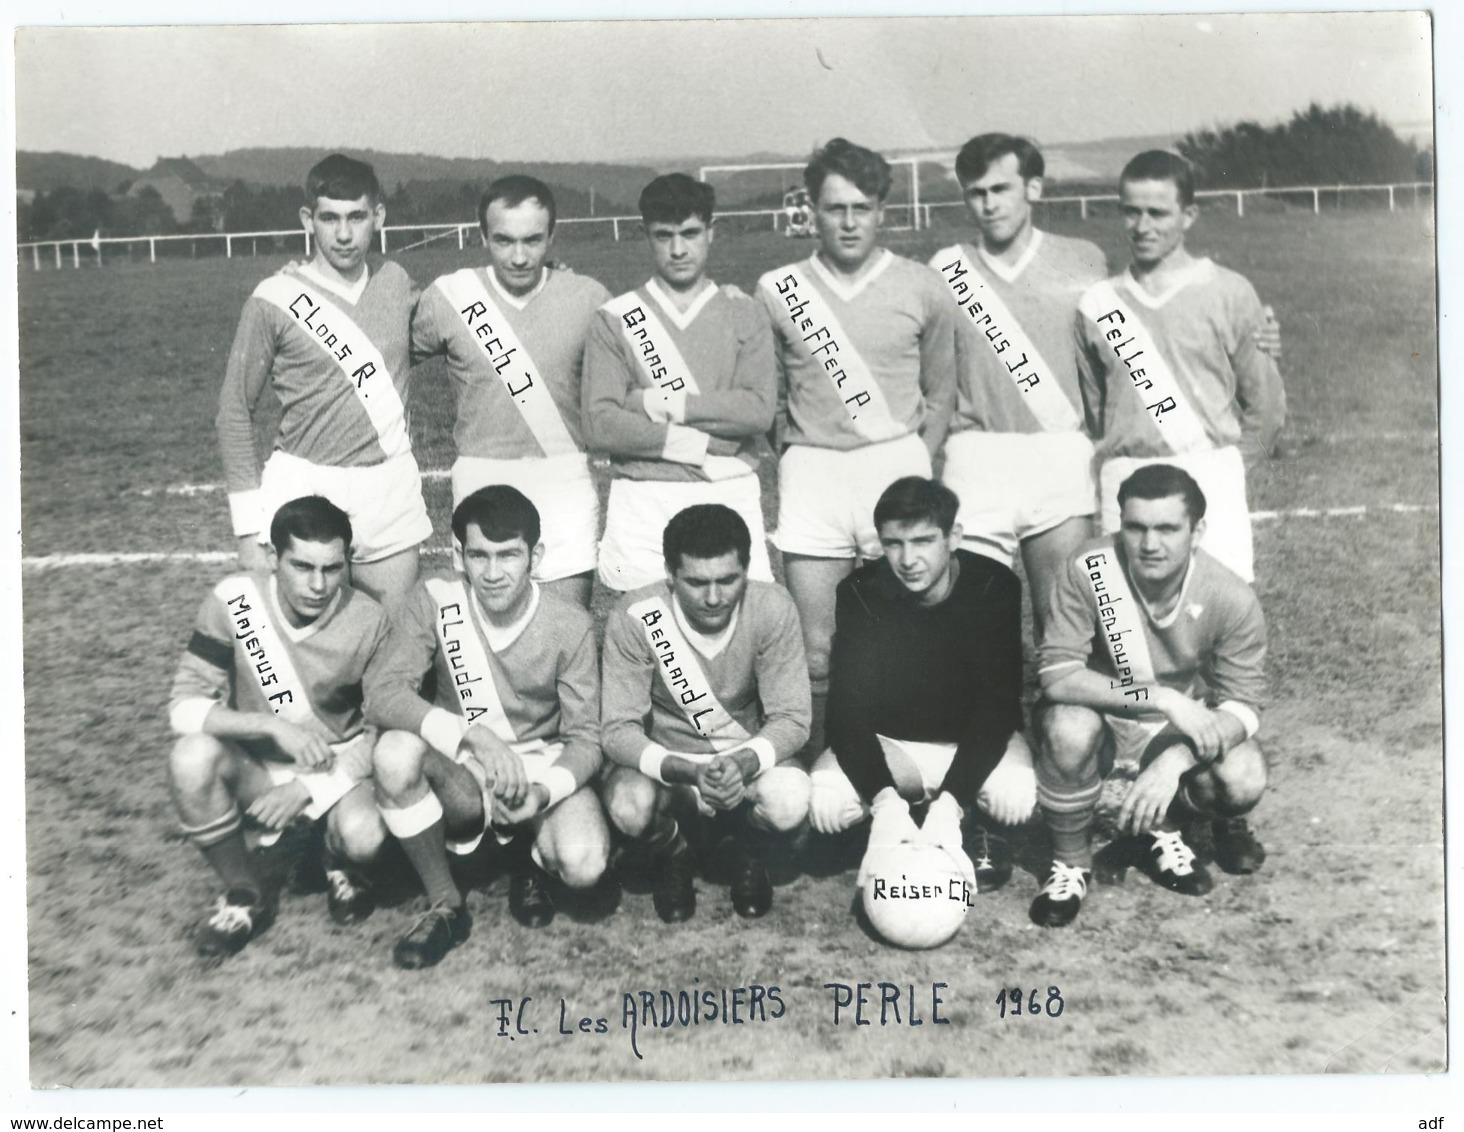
(45, 253)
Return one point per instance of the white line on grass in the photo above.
(56, 561)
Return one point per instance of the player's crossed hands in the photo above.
(305, 748)
(503, 770)
(720, 782)
(1152, 792)
(277, 808)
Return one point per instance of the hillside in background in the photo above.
(44, 172)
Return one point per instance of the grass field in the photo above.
(1331, 960)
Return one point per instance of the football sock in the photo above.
(221, 842)
(1069, 815)
(817, 734)
(422, 832)
(663, 837)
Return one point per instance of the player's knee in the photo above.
(1070, 736)
(356, 833)
(196, 763)
(781, 803)
(1238, 780)
(630, 801)
(580, 862)
(397, 762)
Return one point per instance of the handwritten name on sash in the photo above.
(452, 651)
(1109, 613)
(820, 340)
(998, 336)
(676, 676)
(307, 312)
(637, 330)
(247, 633)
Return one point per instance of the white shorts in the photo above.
(1220, 472)
(562, 490)
(637, 514)
(826, 497)
(918, 769)
(1015, 485)
(1126, 740)
(384, 501)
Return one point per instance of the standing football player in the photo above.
(1017, 454)
(1153, 661)
(925, 689)
(267, 701)
(510, 737)
(330, 337)
(514, 337)
(679, 384)
(866, 361)
(706, 701)
(1170, 366)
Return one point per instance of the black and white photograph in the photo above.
(853, 548)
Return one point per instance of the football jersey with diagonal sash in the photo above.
(660, 686)
(718, 353)
(1178, 372)
(244, 654)
(1211, 645)
(515, 365)
(860, 362)
(545, 681)
(338, 361)
(1016, 365)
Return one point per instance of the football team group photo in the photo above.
(973, 599)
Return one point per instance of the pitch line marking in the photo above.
(56, 561)
(211, 488)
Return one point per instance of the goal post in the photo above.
(902, 207)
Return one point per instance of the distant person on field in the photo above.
(267, 701)
(330, 337)
(679, 385)
(506, 738)
(866, 367)
(925, 690)
(1171, 369)
(705, 704)
(1017, 455)
(514, 337)
(1153, 661)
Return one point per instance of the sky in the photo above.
(618, 91)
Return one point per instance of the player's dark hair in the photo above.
(339, 177)
(1162, 481)
(675, 197)
(311, 518)
(914, 499)
(513, 190)
(865, 169)
(501, 512)
(706, 530)
(981, 152)
(1162, 165)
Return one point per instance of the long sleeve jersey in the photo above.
(486, 351)
(947, 673)
(724, 344)
(896, 324)
(759, 675)
(318, 372)
(1200, 331)
(1212, 645)
(547, 678)
(1014, 332)
(226, 661)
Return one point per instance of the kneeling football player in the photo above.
(706, 695)
(1153, 659)
(267, 701)
(510, 736)
(925, 689)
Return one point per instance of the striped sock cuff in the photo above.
(1059, 800)
(211, 833)
(412, 820)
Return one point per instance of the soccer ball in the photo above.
(915, 895)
